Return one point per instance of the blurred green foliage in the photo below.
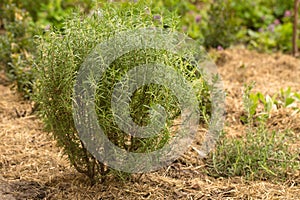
(258, 24)
(21, 21)
(17, 47)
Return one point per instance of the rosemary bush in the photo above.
(63, 52)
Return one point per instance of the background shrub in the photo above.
(222, 26)
(261, 25)
(21, 21)
(17, 47)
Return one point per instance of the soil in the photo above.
(33, 167)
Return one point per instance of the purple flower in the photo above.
(47, 28)
(184, 28)
(198, 18)
(260, 30)
(157, 17)
(276, 22)
(271, 27)
(287, 13)
(220, 48)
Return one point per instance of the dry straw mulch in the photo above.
(32, 167)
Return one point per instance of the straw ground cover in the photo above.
(32, 167)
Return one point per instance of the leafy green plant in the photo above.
(272, 38)
(54, 12)
(31, 6)
(267, 103)
(289, 99)
(18, 47)
(261, 25)
(17, 43)
(49, 11)
(259, 106)
(222, 25)
(260, 154)
(193, 15)
(250, 104)
(63, 52)
(5, 49)
(265, 26)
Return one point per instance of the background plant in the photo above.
(261, 154)
(222, 26)
(261, 25)
(259, 107)
(18, 47)
(21, 21)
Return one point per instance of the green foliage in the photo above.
(261, 154)
(5, 49)
(31, 6)
(273, 38)
(54, 12)
(261, 25)
(18, 47)
(222, 26)
(259, 106)
(193, 15)
(289, 99)
(250, 104)
(62, 53)
(265, 25)
(22, 20)
(49, 11)
(145, 98)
